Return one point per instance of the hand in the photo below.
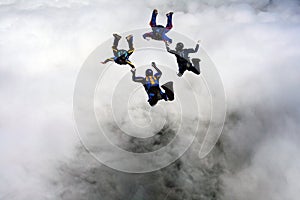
(102, 62)
(167, 43)
(153, 64)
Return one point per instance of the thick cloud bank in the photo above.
(255, 46)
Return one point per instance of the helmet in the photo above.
(149, 72)
(122, 52)
(179, 46)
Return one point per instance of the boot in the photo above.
(168, 87)
(196, 64)
(118, 37)
(116, 41)
(169, 14)
(129, 39)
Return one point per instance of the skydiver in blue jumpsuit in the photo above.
(121, 56)
(151, 85)
(183, 59)
(159, 31)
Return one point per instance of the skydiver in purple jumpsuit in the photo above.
(159, 31)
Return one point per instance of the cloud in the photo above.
(255, 46)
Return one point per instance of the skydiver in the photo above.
(151, 85)
(183, 59)
(121, 56)
(159, 31)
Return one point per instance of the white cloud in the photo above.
(254, 44)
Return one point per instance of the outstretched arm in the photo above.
(136, 79)
(107, 60)
(130, 63)
(170, 50)
(154, 65)
(191, 50)
(159, 73)
(166, 39)
(146, 36)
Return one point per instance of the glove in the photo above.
(153, 64)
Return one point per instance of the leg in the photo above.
(182, 69)
(195, 67)
(169, 91)
(115, 44)
(129, 39)
(115, 51)
(151, 99)
(154, 94)
(153, 18)
(164, 96)
(169, 22)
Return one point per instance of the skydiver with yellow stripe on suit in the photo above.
(151, 85)
(121, 56)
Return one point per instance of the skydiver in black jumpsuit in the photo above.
(183, 60)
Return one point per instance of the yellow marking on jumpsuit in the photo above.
(152, 79)
(130, 63)
(131, 50)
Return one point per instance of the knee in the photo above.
(196, 71)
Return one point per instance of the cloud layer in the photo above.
(255, 46)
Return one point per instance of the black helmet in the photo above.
(179, 46)
(149, 72)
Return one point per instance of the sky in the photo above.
(253, 44)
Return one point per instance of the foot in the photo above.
(169, 92)
(169, 14)
(179, 74)
(196, 65)
(117, 36)
(133, 69)
(129, 37)
(195, 60)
